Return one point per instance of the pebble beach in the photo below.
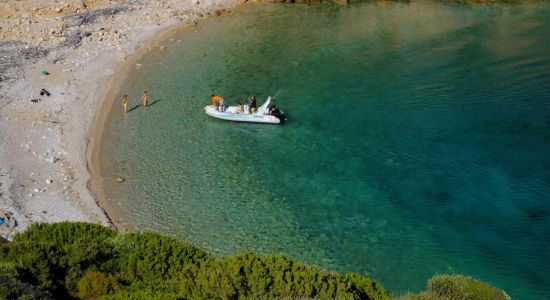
(59, 63)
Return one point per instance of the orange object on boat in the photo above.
(217, 99)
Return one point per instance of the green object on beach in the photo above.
(45, 73)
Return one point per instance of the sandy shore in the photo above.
(78, 51)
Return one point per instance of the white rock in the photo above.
(49, 181)
(36, 190)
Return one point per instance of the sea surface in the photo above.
(418, 140)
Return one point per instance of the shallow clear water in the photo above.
(417, 143)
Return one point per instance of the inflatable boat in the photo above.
(265, 114)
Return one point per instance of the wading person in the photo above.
(145, 99)
(125, 103)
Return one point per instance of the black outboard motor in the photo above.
(276, 112)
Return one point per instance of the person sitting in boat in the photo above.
(240, 108)
(274, 110)
(218, 102)
(252, 104)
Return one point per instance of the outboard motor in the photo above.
(276, 112)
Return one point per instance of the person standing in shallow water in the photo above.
(125, 103)
(145, 99)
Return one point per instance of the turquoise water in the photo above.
(417, 143)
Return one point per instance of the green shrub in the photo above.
(90, 261)
(457, 287)
(42, 264)
(148, 294)
(57, 255)
(253, 276)
(64, 234)
(95, 284)
(463, 287)
(11, 288)
(8, 268)
(146, 256)
(365, 285)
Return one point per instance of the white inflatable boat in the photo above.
(264, 114)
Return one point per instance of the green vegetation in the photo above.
(87, 261)
(458, 287)
(90, 261)
(469, 2)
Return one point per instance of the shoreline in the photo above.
(49, 168)
(109, 102)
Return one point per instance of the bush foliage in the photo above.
(458, 287)
(87, 261)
